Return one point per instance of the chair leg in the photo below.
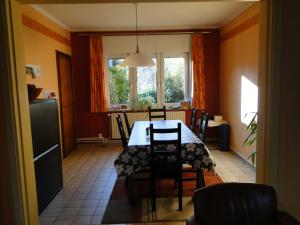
(153, 195)
(200, 179)
(180, 193)
(126, 182)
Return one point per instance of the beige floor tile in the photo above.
(87, 211)
(47, 219)
(68, 212)
(89, 177)
(82, 220)
(63, 221)
(90, 203)
(51, 212)
(74, 203)
(96, 220)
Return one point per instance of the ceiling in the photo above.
(121, 16)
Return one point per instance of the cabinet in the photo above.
(46, 150)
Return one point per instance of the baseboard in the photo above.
(245, 160)
(97, 140)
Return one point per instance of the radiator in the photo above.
(139, 116)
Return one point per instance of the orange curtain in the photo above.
(198, 71)
(97, 79)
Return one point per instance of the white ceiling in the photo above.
(174, 15)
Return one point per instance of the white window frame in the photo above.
(187, 76)
(156, 56)
(159, 80)
(107, 82)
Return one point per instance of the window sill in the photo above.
(137, 111)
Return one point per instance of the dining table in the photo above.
(136, 156)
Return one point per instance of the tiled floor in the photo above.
(89, 177)
(231, 168)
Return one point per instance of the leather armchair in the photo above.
(238, 204)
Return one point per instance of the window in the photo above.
(146, 83)
(174, 79)
(166, 83)
(118, 83)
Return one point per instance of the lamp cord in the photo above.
(136, 29)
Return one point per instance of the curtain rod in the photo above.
(149, 32)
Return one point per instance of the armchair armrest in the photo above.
(283, 218)
(193, 221)
(197, 203)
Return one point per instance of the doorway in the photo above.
(18, 59)
(67, 114)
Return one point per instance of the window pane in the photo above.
(119, 82)
(174, 79)
(146, 83)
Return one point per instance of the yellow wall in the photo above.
(39, 49)
(238, 57)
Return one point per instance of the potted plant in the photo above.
(144, 102)
(251, 138)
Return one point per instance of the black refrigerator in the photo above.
(46, 150)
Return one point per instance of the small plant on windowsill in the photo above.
(251, 138)
(144, 102)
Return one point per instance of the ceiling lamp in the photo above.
(137, 59)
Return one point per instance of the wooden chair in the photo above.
(127, 123)
(122, 131)
(193, 119)
(160, 168)
(162, 113)
(203, 125)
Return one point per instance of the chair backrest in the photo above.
(158, 113)
(203, 125)
(121, 130)
(193, 118)
(235, 204)
(163, 149)
(127, 123)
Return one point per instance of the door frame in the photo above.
(16, 125)
(59, 53)
(17, 118)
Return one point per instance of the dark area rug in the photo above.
(133, 205)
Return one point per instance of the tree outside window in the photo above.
(174, 79)
(119, 82)
(146, 83)
(162, 84)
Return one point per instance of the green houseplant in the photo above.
(251, 138)
(144, 102)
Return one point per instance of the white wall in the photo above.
(147, 44)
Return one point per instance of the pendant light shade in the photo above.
(137, 59)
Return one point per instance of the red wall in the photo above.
(91, 124)
(212, 76)
(212, 71)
